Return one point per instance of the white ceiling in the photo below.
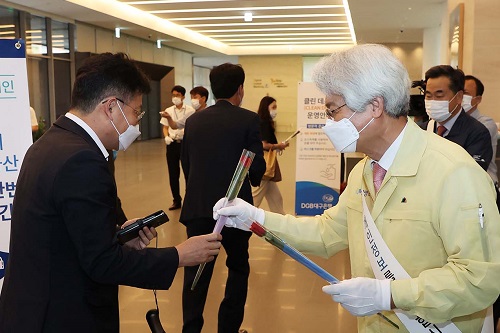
(216, 27)
(277, 22)
(395, 21)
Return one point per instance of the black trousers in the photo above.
(496, 313)
(231, 310)
(174, 168)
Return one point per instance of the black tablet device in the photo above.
(132, 231)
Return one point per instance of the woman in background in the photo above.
(268, 188)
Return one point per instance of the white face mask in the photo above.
(131, 133)
(343, 134)
(467, 103)
(439, 110)
(195, 103)
(177, 101)
(273, 113)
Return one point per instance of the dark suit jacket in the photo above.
(65, 266)
(214, 139)
(473, 136)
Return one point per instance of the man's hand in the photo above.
(171, 122)
(198, 249)
(144, 238)
(240, 213)
(362, 296)
(165, 114)
(281, 146)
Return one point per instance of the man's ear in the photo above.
(479, 99)
(108, 108)
(378, 106)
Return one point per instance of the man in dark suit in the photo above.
(443, 103)
(213, 142)
(65, 264)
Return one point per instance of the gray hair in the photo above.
(363, 72)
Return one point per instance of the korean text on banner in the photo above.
(317, 180)
(15, 133)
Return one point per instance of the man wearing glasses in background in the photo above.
(65, 264)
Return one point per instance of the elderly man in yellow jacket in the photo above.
(418, 214)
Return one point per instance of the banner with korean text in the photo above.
(15, 133)
(317, 179)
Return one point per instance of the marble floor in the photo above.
(283, 296)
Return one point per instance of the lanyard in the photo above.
(183, 110)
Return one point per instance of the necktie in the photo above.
(378, 175)
(440, 130)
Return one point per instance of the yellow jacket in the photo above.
(427, 213)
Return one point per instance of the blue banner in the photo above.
(4, 257)
(314, 198)
(12, 48)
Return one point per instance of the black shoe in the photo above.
(175, 205)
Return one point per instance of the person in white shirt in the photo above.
(199, 98)
(173, 139)
(473, 95)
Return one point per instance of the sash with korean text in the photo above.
(386, 266)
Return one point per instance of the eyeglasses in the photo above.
(138, 113)
(332, 113)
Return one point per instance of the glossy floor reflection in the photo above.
(283, 296)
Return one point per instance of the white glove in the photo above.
(239, 212)
(168, 140)
(362, 296)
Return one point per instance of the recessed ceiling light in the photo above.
(117, 32)
(264, 23)
(248, 17)
(232, 9)
(213, 18)
(273, 29)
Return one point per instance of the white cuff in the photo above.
(385, 291)
(260, 216)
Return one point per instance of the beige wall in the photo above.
(278, 77)
(97, 40)
(410, 54)
(485, 53)
(481, 47)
